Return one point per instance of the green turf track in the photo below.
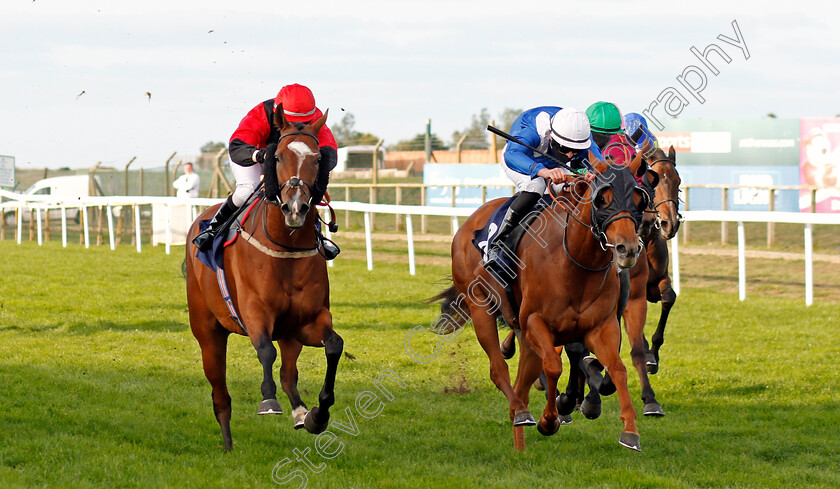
(101, 386)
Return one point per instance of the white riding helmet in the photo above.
(570, 128)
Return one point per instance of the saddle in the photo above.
(507, 264)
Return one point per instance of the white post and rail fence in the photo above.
(173, 216)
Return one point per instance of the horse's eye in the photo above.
(600, 202)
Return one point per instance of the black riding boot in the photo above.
(204, 240)
(318, 192)
(520, 206)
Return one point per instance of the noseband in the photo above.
(295, 182)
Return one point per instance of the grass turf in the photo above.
(101, 386)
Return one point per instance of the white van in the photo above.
(66, 188)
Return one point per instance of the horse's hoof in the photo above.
(524, 418)
(607, 387)
(299, 416)
(590, 409)
(630, 440)
(564, 419)
(538, 385)
(551, 430)
(565, 404)
(313, 426)
(652, 367)
(270, 406)
(653, 409)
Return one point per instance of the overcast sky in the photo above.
(392, 64)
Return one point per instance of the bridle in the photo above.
(654, 207)
(295, 182)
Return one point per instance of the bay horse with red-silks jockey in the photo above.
(276, 287)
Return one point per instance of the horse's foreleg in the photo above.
(267, 354)
(488, 337)
(321, 333)
(668, 299)
(539, 337)
(289, 352)
(213, 342)
(634, 323)
(603, 341)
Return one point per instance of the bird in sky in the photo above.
(149, 94)
(80, 94)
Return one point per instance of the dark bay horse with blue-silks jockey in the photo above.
(565, 289)
(275, 288)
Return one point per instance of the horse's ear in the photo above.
(636, 165)
(599, 165)
(652, 178)
(318, 124)
(672, 155)
(280, 118)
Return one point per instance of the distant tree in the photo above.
(418, 143)
(771, 115)
(503, 121)
(346, 135)
(212, 147)
(476, 133)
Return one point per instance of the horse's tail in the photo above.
(448, 299)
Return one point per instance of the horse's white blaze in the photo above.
(302, 150)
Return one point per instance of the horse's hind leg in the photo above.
(289, 352)
(267, 354)
(213, 342)
(570, 400)
(658, 338)
(508, 346)
(603, 341)
(320, 333)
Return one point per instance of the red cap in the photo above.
(298, 103)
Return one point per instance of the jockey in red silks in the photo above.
(247, 150)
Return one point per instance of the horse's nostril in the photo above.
(621, 249)
(285, 209)
(304, 208)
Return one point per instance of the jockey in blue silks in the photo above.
(561, 133)
(632, 122)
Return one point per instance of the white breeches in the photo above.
(525, 182)
(247, 179)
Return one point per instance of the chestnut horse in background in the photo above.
(277, 282)
(565, 286)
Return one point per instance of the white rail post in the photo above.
(85, 224)
(742, 263)
(454, 225)
(675, 259)
(409, 231)
(368, 246)
(63, 226)
(809, 266)
(111, 238)
(137, 226)
(38, 219)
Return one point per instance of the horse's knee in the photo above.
(668, 297)
(266, 351)
(334, 344)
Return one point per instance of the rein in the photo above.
(654, 206)
(603, 243)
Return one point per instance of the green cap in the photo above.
(604, 117)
